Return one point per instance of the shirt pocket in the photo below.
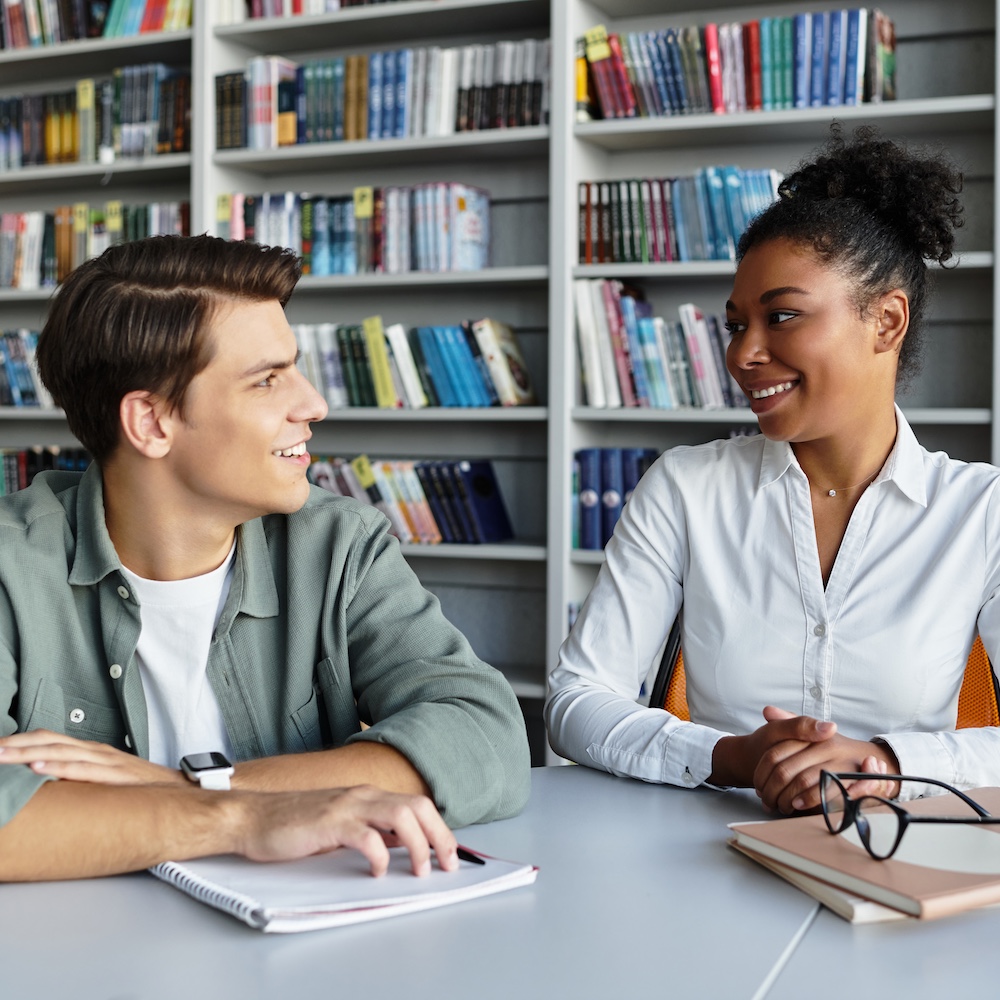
(338, 700)
(64, 712)
(307, 722)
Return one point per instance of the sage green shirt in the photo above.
(325, 625)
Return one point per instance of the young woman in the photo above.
(833, 574)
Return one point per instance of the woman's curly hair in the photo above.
(875, 210)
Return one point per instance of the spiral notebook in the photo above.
(331, 890)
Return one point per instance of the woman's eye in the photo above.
(781, 315)
(732, 327)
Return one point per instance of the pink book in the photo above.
(619, 342)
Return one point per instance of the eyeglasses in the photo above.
(881, 823)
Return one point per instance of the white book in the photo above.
(448, 94)
(700, 349)
(309, 362)
(605, 349)
(590, 355)
(414, 393)
(331, 366)
(432, 93)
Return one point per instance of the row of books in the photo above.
(393, 230)
(392, 94)
(31, 23)
(18, 466)
(672, 218)
(427, 502)
(631, 358)
(236, 11)
(828, 59)
(603, 481)
(19, 382)
(39, 249)
(140, 111)
(478, 363)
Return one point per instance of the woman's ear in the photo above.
(893, 311)
(146, 422)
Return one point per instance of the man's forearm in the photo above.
(361, 763)
(74, 829)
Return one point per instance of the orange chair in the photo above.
(977, 701)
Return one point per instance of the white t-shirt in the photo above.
(178, 621)
(727, 529)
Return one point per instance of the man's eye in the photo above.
(267, 381)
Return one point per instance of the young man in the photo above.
(191, 593)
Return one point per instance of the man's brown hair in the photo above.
(137, 317)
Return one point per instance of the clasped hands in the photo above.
(268, 826)
(782, 761)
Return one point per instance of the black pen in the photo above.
(466, 855)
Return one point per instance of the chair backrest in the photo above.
(977, 701)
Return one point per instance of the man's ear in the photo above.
(147, 423)
(893, 313)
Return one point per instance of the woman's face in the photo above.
(811, 365)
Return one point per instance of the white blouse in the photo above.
(727, 528)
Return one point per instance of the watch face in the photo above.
(206, 761)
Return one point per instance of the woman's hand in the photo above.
(66, 757)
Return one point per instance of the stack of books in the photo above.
(427, 503)
(392, 230)
(478, 363)
(390, 94)
(839, 57)
(19, 466)
(654, 220)
(630, 357)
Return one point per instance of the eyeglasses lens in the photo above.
(835, 802)
(878, 824)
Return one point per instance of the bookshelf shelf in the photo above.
(490, 276)
(54, 177)
(375, 22)
(510, 552)
(956, 416)
(587, 557)
(31, 413)
(441, 414)
(500, 143)
(926, 117)
(89, 56)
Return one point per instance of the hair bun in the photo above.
(913, 193)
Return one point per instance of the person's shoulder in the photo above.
(50, 492)
(339, 512)
(709, 456)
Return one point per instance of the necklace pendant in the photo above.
(832, 493)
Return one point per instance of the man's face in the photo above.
(240, 451)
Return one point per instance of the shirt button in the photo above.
(820, 629)
(123, 593)
(115, 671)
(77, 715)
(816, 691)
(128, 741)
(688, 777)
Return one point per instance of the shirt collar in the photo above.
(253, 587)
(904, 466)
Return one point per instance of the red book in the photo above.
(714, 60)
(623, 86)
(751, 57)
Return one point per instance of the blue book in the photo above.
(766, 65)
(589, 463)
(489, 393)
(835, 55)
(817, 73)
(801, 59)
(480, 493)
(446, 474)
(648, 40)
(732, 193)
(436, 366)
(659, 45)
(404, 76)
(656, 377)
(454, 365)
(301, 105)
(723, 239)
(321, 262)
(783, 45)
(443, 518)
(612, 491)
(631, 321)
(676, 64)
(634, 464)
(375, 95)
(388, 94)
(855, 50)
(470, 370)
(337, 97)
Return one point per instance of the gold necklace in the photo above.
(844, 489)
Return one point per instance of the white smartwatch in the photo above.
(210, 770)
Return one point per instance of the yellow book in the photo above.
(81, 234)
(114, 222)
(224, 215)
(378, 361)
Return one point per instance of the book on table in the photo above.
(334, 889)
(938, 868)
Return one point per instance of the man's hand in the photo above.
(83, 760)
(787, 774)
(285, 825)
(736, 758)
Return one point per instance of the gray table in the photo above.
(637, 895)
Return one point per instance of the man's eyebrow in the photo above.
(771, 294)
(266, 366)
